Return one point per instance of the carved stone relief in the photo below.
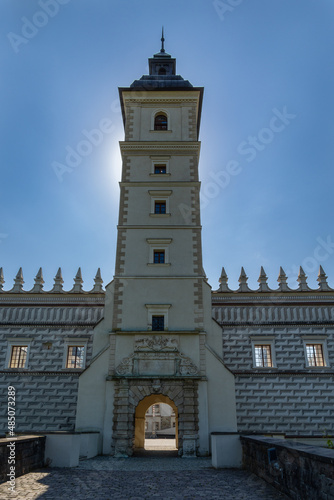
(157, 356)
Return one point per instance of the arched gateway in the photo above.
(140, 414)
(132, 399)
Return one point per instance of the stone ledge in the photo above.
(296, 469)
(315, 452)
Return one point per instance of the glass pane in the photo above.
(315, 355)
(160, 122)
(158, 323)
(263, 356)
(75, 357)
(159, 169)
(19, 356)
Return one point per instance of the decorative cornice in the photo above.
(272, 299)
(74, 373)
(149, 146)
(164, 184)
(66, 300)
(159, 226)
(158, 101)
(285, 373)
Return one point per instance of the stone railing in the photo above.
(300, 471)
(20, 455)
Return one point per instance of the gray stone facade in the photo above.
(46, 391)
(290, 397)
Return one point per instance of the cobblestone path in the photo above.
(103, 478)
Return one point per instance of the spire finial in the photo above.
(162, 41)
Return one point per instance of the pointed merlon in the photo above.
(263, 286)
(39, 282)
(322, 280)
(282, 280)
(243, 282)
(78, 276)
(98, 282)
(59, 276)
(162, 41)
(58, 286)
(2, 279)
(39, 276)
(302, 280)
(18, 282)
(98, 275)
(263, 276)
(77, 288)
(223, 282)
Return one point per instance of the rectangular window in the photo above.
(315, 355)
(158, 323)
(160, 169)
(156, 408)
(160, 207)
(263, 356)
(159, 256)
(75, 356)
(18, 356)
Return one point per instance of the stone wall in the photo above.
(285, 403)
(300, 471)
(29, 455)
(44, 401)
(290, 397)
(46, 391)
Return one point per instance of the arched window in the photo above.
(162, 71)
(160, 122)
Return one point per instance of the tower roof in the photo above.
(162, 72)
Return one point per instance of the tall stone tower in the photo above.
(158, 342)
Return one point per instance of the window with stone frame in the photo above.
(160, 207)
(262, 356)
(159, 256)
(160, 122)
(75, 356)
(158, 323)
(160, 168)
(18, 356)
(315, 355)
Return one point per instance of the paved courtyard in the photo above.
(138, 478)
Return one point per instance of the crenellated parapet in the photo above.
(58, 283)
(282, 283)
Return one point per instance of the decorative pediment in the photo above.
(157, 356)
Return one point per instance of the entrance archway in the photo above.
(140, 412)
(132, 398)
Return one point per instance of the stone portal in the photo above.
(134, 397)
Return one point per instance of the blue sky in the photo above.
(257, 60)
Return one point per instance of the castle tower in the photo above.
(163, 345)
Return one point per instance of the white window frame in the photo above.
(160, 196)
(16, 343)
(158, 244)
(157, 310)
(321, 340)
(74, 342)
(163, 160)
(262, 340)
(156, 112)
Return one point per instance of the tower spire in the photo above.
(162, 41)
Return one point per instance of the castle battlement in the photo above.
(58, 283)
(282, 283)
